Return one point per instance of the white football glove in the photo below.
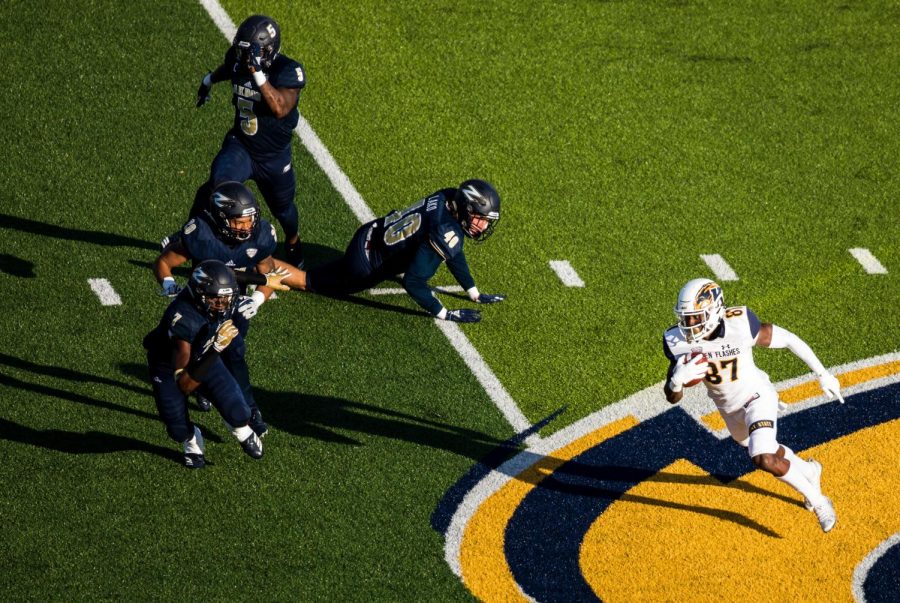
(247, 307)
(688, 369)
(831, 386)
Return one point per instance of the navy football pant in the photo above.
(277, 186)
(351, 273)
(219, 386)
(234, 358)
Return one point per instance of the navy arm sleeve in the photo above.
(459, 268)
(423, 266)
(754, 323)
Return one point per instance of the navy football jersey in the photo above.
(254, 123)
(415, 241)
(198, 237)
(397, 237)
(181, 320)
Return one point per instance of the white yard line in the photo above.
(868, 261)
(566, 273)
(105, 291)
(719, 267)
(364, 213)
(402, 291)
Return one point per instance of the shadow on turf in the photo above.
(592, 482)
(73, 234)
(323, 418)
(16, 266)
(91, 442)
(59, 372)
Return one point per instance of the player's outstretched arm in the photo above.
(773, 336)
(162, 268)
(204, 93)
(295, 279)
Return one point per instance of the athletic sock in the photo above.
(804, 466)
(193, 445)
(795, 478)
(242, 433)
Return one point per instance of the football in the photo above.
(691, 359)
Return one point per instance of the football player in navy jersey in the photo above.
(414, 242)
(230, 231)
(265, 88)
(184, 354)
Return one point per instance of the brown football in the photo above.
(691, 359)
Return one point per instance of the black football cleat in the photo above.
(194, 461)
(260, 427)
(203, 403)
(253, 446)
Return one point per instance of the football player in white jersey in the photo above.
(714, 344)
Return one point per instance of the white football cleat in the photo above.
(815, 481)
(825, 514)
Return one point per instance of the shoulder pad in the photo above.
(288, 74)
(446, 240)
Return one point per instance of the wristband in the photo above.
(207, 80)
(258, 298)
(260, 78)
(168, 282)
(673, 388)
(246, 277)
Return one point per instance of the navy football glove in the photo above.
(463, 315)
(170, 288)
(204, 92)
(486, 298)
(253, 58)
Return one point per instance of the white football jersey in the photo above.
(732, 379)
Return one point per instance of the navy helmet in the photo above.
(260, 30)
(214, 289)
(476, 201)
(229, 201)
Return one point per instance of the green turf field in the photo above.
(627, 138)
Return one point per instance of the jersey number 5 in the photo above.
(249, 123)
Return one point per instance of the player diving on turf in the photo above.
(414, 242)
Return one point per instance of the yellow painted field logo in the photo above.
(649, 502)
